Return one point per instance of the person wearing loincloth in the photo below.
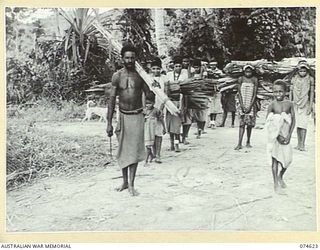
(302, 94)
(128, 86)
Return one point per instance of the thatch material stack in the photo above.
(265, 70)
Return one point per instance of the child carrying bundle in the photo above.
(279, 127)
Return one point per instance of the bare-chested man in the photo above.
(129, 86)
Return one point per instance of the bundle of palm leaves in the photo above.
(198, 100)
(204, 86)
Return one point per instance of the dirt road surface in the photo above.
(208, 186)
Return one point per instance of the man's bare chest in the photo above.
(130, 82)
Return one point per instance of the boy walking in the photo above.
(279, 125)
(160, 129)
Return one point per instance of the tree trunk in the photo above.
(160, 34)
(57, 23)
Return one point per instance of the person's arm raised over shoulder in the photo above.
(112, 103)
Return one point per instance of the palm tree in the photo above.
(160, 32)
(78, 38)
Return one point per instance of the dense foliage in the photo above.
(137, 29)
(62, 68)
(246, 34)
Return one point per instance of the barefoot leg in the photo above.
(299, 138)
(233, 117)
(148, 154)
(275, 174)
(303, 139)
(224, 118)
(176, 144)
(158, 142)
(241, 132)
(171, 141)
(249, 130)
(125, 180)
(281, 182)
(185, 129)
(132, 176)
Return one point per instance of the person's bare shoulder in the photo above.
(116, 77)
(288, 105)
(271, 105)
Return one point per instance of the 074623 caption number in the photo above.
(312, 246)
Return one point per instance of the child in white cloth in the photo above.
(279, 127)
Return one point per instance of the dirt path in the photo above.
(208, 186)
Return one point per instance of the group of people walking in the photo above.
(144, 119)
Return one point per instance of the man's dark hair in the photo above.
(196, 62)
(156, 62)
(177, 60)
(281, 83)
(128, 47)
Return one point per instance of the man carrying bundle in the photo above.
(128, 85)
(199, 115)
(186, 112)
(187, 66)
(173, 122)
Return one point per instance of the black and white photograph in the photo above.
(160, 119)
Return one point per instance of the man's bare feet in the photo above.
(302, 148)
(238, 147)
(297, 147)
(158, 160)
(279, 191)
(185, 142)
(132, 191)
(177, 149)
(248, 145)
(122, 187)
(152, 157)
(282, 183)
